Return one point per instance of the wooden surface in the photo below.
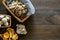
(44, 25)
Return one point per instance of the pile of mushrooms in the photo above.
(18, 8)
(4, 20)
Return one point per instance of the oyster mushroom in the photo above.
(21, 29)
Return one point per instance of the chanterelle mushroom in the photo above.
(9, 35)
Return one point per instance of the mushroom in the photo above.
(7, 17)
(18, 8)
(6, 23)
(4, 20)
(1, 16)
(15, 36)
(21, 29)
(6, 35)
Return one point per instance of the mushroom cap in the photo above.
(1, 16)
(6, 24)
(4, 20)
(6, 35)
(15, 36)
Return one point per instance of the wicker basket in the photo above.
(9, 22)
(19, 19)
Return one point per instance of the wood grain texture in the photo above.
(43, 25)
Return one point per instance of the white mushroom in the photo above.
(7, 17)
(1, 16)
(6, 24)
(4, 20)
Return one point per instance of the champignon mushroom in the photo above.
(4, 20)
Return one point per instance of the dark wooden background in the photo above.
(44, 25)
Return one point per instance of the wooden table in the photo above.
(40, 26)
